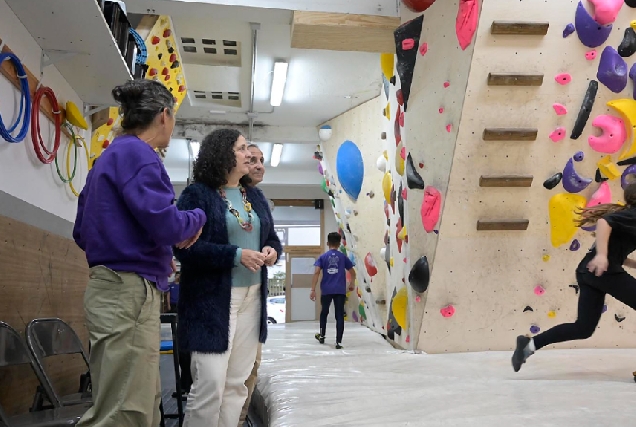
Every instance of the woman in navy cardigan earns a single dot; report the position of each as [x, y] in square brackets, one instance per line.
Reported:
[222, 305]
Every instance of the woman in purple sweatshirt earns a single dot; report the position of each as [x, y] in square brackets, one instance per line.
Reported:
[126, 223]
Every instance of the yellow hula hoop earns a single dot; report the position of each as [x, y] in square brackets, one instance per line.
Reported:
[68, 160]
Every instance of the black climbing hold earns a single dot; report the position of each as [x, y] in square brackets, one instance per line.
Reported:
[368, 289]
[317, 155]
[598, 176]
[586, 109]
[406, 58]
[630, 161]
[174, 65]
[348, 228]
[628, 46]
[413, 178]
[618, 318]
[576, 288]
[171, 50]
[553, 181]
[401, 204]
[420, 275]
[392, 326]
[330, 193]
[160, 56]
[528, 308]
[631, 3]
[392, 80]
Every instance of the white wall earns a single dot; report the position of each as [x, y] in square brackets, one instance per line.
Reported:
[21, 173]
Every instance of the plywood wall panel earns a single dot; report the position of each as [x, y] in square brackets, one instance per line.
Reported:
[43, 275]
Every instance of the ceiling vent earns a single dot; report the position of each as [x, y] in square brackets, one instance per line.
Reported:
[211, 51]
[226, 99]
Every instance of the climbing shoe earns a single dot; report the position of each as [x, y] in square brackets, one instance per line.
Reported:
[522, 352]
[320, 338]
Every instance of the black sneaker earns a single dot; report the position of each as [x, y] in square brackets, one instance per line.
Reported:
[320, 338]
[339, 346]
[522, 352]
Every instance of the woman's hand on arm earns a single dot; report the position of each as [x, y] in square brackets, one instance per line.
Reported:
[271, 256]
[252, 260]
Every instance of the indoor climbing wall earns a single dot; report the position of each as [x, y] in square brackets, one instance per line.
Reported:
[164, 65]
[353, 185]
[547, 120]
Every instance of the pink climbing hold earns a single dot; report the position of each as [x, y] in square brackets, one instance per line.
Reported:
[446, 84]
[539, 290]
[466, 22]
[558, 134]
[418, 298]
[401, 118]
[559, 109]
[563, 78]
[441, 110]
[404, 194]
[605, 11]
[423, 49]
[590, 55]
[449, 128]
[448, 311]
[431, 206]
[408, 44]
[408, 339]
[612, 137]
[403, 153]
[601, 196]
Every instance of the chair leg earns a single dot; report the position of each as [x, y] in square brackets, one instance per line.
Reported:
[163, 421]
[177, 373]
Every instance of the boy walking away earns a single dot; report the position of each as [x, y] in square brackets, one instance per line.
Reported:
[333, 286]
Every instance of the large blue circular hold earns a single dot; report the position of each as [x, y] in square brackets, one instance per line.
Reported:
[350, 168]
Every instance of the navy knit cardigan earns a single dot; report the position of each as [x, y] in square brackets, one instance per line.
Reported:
[206, 271]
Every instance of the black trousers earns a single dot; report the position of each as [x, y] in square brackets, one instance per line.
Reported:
[339, 304]
[592, 291]
[184, 364]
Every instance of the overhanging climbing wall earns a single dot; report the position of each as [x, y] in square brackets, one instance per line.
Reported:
[506, 249]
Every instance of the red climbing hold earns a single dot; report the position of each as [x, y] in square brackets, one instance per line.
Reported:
[182, 88]
[418, 5]
[167, 32]
[449, 128]
[408, 44]
[404, 194]
[399, 97]
[167, 77]
[466, 23]
[446, 84]
[165, 71]
[421, 165]
[152, 72]
[105, 144]
[110, 122]
[423, 49]
[173, 57]
[401, 119]
[441, 110]
[155, 40]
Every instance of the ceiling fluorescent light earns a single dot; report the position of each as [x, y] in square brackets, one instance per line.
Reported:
[195, 146]
[278, 83]
[277, 151]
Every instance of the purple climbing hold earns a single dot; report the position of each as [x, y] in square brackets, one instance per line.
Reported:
[628, 176]
[575, 245]
[604, 308]
[572, 181]
[569, 29]
[578, 156]
[436, 231]
[534, 329]
[354, 316]
[590, 32]
[612, 70]
[632, 75]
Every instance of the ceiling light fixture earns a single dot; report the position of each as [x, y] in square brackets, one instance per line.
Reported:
[195, 146]
[277, 152]
[218, 112]
[278, 83]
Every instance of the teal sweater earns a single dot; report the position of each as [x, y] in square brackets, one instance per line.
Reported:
[241, 276]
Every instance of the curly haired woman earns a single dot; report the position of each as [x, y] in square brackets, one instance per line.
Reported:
[222, 311]
[599, 273]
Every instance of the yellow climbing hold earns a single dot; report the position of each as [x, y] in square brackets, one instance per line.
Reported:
[386, 62]
[633, 24]
[74, 116]
[608, 168]
[546, 258]
[391, 261]
[385, 154]
[399, 307]
[387, 183]
[399, 161]
[627, 109]
[551, 314]
[387, 111]
[402, 234]
[563, 211]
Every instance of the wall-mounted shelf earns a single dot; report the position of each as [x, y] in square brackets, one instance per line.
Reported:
[519, 28]
[75, 35]
[514, 79]
[505, 181]
[503, 134]
[503, 225]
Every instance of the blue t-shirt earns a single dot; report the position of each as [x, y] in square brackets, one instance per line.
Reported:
[334, 265]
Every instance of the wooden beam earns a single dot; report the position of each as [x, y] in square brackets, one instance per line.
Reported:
[520, 28]
[343, 32]
[505, 181]
[8, 70]
[504, 134]
[502, 225]
[514, 79]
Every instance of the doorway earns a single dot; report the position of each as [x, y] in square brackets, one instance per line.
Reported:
[300, 271]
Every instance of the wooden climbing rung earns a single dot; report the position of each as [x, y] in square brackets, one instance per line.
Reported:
[502, 224]
[505, 180]
[514, 79]
[503, 134]
[520, 28]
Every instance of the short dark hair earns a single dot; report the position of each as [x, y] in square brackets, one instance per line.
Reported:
[140, 101]
[216, 159]
[334, 239]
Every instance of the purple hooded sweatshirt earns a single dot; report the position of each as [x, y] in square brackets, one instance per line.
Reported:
[126, 216]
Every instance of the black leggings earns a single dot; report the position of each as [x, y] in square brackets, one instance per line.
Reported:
[339, 303]
[592, 291]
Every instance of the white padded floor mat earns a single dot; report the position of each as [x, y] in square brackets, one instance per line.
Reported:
[369, 383]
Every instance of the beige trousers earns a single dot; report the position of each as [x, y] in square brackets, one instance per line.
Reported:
[218, 390]
[122, 316]
[251, 384]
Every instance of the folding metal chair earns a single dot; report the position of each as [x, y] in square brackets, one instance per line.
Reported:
[13, 352]
[52, 337]
[171, 318]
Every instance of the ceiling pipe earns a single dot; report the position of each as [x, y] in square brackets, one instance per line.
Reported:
[251, 115]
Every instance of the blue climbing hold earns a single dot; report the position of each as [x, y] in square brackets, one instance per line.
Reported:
[350, 168]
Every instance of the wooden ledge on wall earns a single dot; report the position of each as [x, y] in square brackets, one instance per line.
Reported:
[520, 28]
[512, 134]
[8, 70]
[514, 79]
[343, 32]
[502, 225]
[508, 181]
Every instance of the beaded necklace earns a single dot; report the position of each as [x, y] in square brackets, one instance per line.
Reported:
[245, 225]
